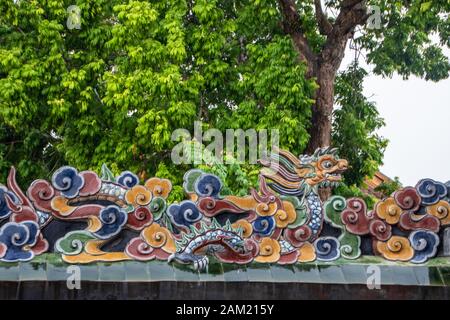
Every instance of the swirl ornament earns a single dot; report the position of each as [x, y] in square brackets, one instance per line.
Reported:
[112, 219]
[73, 243]
[425, 245]
[301, 211]
[127, 179]
[327, 248]
[41, 194]
[245, 226]
[5, 211]
[395, 249]
[139, 250]
[184, 214]
[139, 218]
[408, 199]
[159, 187]
[284, 217]
[264, 226]
[307, 253]
[138, 196]
[380, 230]
[208, 185]
[431, 191]
[298, 236]
[388, 210]
[355, 217]
[269, 251]
[159, 237]
[410, 221]
[441, 211]
[266, 209]
[157, 207]
[17, 240]
[68, 181]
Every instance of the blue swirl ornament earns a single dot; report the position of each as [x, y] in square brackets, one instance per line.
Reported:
[17, 238]
[68, 181]
[184, 214]
[327, 248]
[127, 179]
[5, 211]
[208, 185]
[425, 245]
[431, 191]
[264, 226]
[113, 219]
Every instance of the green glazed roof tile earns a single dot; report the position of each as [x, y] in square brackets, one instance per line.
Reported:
[160, 271]
[34, 270]
[355, 273]
[331, 274]
[136, 271]
[9, 271]
[234, 272]
[282, 273]
[307, 273]
[111, 271]
[259, 272]
[89, 272]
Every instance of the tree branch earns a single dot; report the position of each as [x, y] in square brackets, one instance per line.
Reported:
[292, 26]
[352, 14]
[325, 26]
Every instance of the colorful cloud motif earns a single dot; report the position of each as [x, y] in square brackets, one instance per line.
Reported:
[16, 240]
[425, 244]
[113, 219]
[127, 179]
[264, 226]
[208, 185]
[327, 249]
[431, 191]
[184, 214]
[5, 211]
[68, 181]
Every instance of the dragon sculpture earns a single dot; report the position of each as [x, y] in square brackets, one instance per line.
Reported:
[86, 217]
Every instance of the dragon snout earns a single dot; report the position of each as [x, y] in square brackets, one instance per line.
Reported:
[342, 165]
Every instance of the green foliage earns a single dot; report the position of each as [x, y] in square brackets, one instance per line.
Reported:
[388, 188]
[355, 124]
[114, 91]
[347, 192]
[410, 39]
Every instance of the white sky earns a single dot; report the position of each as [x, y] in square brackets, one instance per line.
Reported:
[417, 116]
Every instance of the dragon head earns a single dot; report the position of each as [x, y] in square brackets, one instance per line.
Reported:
[323, 168]
[290, 175]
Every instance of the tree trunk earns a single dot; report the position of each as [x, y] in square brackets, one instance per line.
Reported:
[320, 131]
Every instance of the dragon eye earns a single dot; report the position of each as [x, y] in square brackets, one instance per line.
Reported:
[327, 164]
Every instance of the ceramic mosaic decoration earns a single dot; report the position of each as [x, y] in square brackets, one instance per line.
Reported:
[86, 217]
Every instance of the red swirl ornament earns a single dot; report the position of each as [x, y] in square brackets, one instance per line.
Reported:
[298, 235]
[41, 194]
[380, 230]
[408, 199]
[355, 217]
[231, 256]
[211, 207]
[139, 218]
[410, 221]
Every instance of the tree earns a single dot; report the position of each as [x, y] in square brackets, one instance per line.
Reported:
[401, 43]
[115, 89]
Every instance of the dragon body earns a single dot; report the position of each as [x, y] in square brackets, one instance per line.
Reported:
[86, 217]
